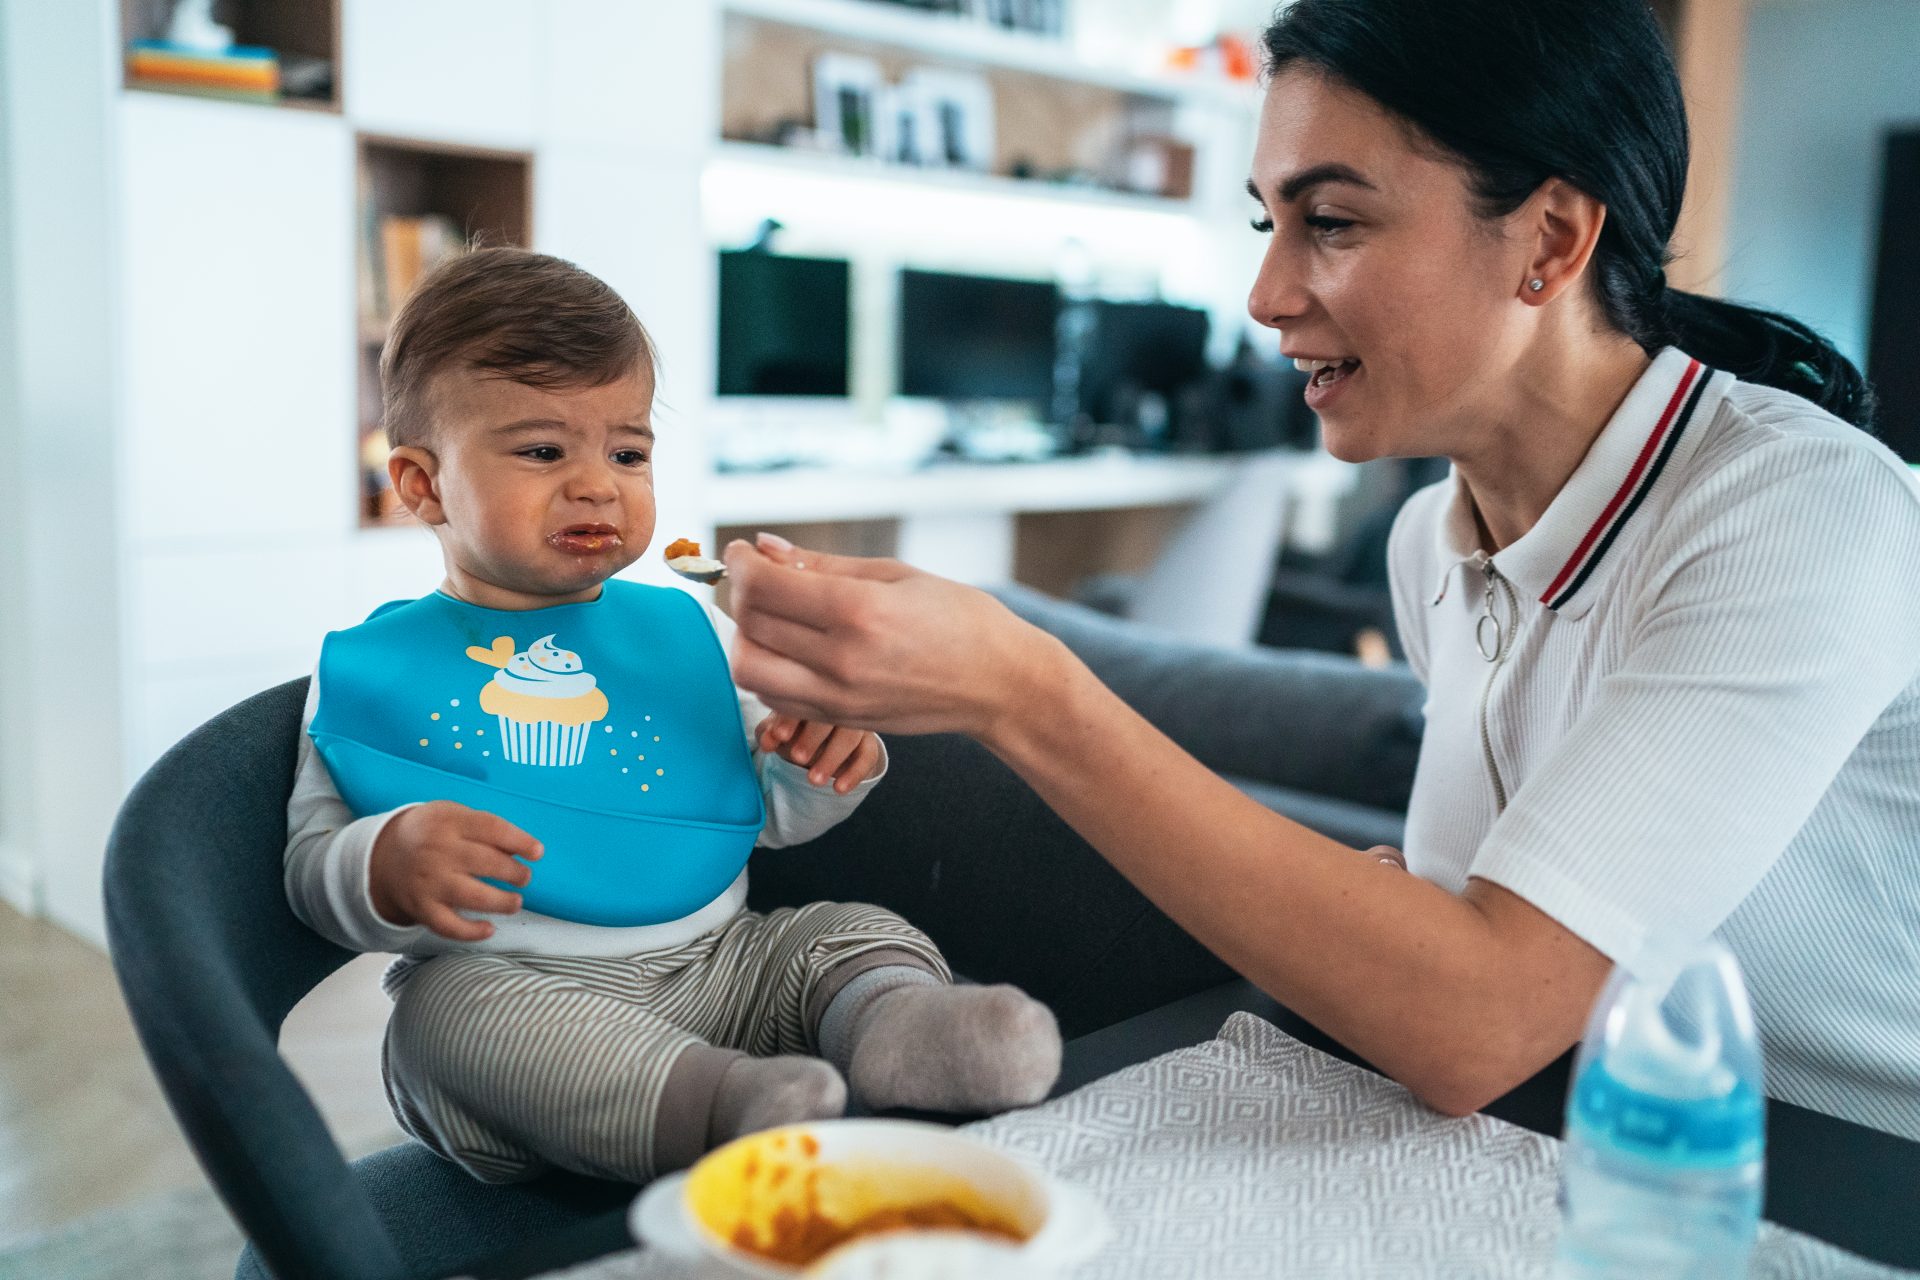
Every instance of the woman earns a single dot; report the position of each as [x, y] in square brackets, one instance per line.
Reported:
[1667, 608]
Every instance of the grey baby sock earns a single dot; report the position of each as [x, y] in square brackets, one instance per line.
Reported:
[760, 1093]
[905, 1038]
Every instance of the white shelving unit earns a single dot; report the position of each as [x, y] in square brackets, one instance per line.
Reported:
[934, 184]
[951, 38]
[221, 416]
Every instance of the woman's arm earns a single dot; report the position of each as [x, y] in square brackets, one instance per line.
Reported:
[1458, 997]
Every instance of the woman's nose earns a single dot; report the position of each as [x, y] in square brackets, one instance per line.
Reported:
[1279, 295]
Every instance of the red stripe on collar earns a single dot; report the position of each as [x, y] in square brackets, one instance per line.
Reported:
[1627, 486]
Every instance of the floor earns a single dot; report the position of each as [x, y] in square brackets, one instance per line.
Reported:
[83, 1126]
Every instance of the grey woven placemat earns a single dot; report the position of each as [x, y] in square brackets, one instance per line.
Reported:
[1255, 1155]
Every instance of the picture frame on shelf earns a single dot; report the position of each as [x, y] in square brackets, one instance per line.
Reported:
[953, 118]
[846, 92]
[897, 125]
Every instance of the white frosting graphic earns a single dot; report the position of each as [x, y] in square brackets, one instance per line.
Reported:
[545, 670]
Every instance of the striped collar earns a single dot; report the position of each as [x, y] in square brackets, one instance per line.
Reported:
[1562, 559]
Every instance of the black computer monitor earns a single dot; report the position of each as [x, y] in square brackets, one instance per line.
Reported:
[783, 325]
[977, 337]
[1133, 348]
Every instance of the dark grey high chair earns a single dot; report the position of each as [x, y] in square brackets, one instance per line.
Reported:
[211, 958]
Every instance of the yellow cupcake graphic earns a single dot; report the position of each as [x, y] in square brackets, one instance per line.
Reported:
[547, 704]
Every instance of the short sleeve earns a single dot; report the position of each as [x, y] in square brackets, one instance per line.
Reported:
[1776, 630]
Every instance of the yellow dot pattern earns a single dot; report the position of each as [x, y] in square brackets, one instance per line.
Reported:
[423, 742]
[434, 716]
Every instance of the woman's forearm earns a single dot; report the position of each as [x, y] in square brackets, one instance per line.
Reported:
[1457, 996]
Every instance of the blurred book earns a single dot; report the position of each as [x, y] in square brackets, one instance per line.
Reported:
[404, 251]
[243, 72]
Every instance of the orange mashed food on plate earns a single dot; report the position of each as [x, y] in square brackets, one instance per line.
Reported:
[802, 1239]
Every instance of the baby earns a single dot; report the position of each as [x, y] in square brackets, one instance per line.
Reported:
[633, 1013]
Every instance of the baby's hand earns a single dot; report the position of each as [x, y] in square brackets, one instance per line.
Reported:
[427, 863]
[829, 753]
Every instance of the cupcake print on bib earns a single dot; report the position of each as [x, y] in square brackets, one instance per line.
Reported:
[544, 699]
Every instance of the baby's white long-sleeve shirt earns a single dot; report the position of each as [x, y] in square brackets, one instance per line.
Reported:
[329, 853]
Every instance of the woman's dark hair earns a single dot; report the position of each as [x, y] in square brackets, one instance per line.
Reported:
[1520, 91]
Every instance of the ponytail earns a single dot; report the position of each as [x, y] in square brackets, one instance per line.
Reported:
[1771, 349]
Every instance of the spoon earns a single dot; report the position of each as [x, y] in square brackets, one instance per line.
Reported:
[684, 558]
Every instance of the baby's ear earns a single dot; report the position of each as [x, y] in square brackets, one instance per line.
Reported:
[414, 472]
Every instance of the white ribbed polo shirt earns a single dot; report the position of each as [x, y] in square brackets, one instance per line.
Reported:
[1688, 700]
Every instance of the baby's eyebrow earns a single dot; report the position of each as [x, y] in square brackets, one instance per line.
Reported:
[636, 428]
[529, 426]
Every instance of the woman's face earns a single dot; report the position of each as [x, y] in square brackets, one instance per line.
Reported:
[1378, 258]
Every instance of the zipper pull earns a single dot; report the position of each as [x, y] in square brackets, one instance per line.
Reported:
[1488, 635]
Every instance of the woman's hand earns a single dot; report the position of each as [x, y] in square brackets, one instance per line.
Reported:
[875, 644]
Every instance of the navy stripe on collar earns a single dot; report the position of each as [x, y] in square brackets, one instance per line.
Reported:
[1633, 490]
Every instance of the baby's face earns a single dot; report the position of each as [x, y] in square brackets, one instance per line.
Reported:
[544, 493]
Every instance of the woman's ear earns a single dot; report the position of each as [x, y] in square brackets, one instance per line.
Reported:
[1564, 224]
[415, 475]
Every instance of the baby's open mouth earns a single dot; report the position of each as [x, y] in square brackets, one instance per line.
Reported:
[585, 539]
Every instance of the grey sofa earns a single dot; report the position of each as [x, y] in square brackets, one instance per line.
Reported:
[961, 847]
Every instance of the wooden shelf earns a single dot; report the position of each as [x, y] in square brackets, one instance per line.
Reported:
[484, 195]
[952, 39]
[291, 28]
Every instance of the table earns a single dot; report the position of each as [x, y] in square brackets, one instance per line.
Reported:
[1840, 1182]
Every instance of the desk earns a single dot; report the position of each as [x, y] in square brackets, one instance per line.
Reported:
[1837, 1181]
[960, 519]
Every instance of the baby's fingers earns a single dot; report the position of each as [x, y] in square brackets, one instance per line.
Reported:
[866, 758]
[485, 860]
[806, 744]
[448, 923]
[478, 895]
[497, 833]
[839, 747]
[775, 731]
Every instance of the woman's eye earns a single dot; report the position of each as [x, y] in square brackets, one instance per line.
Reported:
[542, 453]
[630, 457]
[1263, 224]
[1324, 226]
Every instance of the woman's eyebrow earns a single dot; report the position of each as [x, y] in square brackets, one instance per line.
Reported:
[1296, 186]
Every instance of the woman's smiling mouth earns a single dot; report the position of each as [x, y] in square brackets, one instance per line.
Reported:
[585, 539]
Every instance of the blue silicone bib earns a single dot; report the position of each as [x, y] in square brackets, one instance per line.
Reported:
[609, 731]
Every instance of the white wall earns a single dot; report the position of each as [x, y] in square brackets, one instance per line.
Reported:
[1823, 82]
[62, 565]
[16, 867]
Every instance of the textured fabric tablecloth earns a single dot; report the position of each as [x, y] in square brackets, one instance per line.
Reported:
[1255, 1155]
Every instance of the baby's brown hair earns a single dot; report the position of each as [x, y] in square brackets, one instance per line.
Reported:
[529, 317]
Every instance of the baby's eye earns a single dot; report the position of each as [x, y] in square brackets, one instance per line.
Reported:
[630, 457]
[542, 453]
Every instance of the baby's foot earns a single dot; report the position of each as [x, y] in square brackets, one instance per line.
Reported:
[966, 1049]
[763, 1093]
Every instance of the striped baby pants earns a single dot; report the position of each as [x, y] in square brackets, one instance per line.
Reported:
[511, 1065]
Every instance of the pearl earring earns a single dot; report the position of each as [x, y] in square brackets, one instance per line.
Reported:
[1536, 284]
